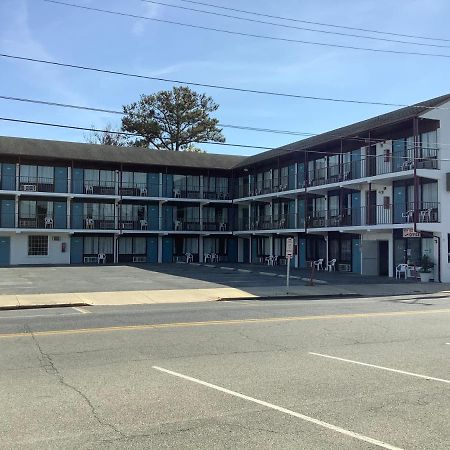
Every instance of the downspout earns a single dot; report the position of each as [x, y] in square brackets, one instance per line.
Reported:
[416, 178]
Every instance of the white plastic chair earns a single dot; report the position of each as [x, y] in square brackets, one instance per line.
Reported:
[331, 266]
[425, 215]
[401, 269]
[319, 264]
[207, 257]
[144, 224]
[143, 192]
[48, 222]
[101, 257]
[222, 226]
[189, 257]
[89, 223]
[178, 225]
[89, 189]
[408, 215]
[177, 193]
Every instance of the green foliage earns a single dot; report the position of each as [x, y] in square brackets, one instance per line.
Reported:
[172, 120]
[109, 136]
[426, 264]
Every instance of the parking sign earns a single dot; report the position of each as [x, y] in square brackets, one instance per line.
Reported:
[290, 247]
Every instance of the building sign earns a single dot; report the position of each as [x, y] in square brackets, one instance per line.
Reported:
[410, 233]
[289, 247]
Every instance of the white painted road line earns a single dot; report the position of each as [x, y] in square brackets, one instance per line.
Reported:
[244, 271]
[81, 310]
[227, 268]
[271, 274]
[283, 410]
[425, 377]
[51, 316]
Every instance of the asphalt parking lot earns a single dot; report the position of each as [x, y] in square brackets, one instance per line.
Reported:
[323, 374]
[59, 279]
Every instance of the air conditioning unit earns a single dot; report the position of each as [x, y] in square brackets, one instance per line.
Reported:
[139, 259]
[29, 187]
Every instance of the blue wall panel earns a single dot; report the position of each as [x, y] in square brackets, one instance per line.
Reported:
[77, 215]
[167, 185]
[7, 211]
[153, 217]
[152, 249]
[9, 177]
[60, 179]
[399, 203]
[232, 250]
[356, 256]
[153, 184]
[76, 250]
[167, 250]
[5, 250]
[77, 181]
[302, 253]
[60, 211]
[291, 177]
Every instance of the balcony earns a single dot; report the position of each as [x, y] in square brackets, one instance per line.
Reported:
[268, 186]
[36, 184]
[219, 225]
[373, 166]
[95, 187]
[93, 223]
[220, 194]
[183, 191]
[134, 224]
[138, 189]
[427, 212]
[261, 223]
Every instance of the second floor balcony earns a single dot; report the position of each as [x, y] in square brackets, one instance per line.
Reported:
[423, 212]
[274, 222]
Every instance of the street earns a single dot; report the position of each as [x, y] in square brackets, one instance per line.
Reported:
[334, 373]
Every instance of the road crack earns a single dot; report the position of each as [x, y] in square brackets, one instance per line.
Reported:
[48, 365]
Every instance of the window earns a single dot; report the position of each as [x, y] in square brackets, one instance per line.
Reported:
[37, 245]
[139, 246]
[94, 245]
[125, 245]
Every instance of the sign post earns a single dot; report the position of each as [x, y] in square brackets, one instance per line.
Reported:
[289, 255]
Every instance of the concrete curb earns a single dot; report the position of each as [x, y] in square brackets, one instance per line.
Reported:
[291, 297]
[42, 306]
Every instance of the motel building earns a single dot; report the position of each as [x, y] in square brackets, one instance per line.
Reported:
[368, 196]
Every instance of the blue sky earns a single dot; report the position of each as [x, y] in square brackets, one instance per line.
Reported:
[37, 29]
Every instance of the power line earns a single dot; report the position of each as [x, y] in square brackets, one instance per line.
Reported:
[286, 150]
[212, 86]
[110, 111]
[120, 133]
[294, 27]
[238, 33]
[290, 19]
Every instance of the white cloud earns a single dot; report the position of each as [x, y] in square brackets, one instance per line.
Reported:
[140, 25]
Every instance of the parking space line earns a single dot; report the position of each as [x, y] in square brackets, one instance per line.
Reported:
[271, 274]
[81, 310]
[389, 369]
[282, 410]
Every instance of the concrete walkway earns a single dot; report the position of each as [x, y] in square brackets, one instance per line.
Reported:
[215, 294]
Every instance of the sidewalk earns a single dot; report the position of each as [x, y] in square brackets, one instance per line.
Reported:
[215, 294]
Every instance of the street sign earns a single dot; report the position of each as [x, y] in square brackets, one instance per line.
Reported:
[289, 255]
[289, 247]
